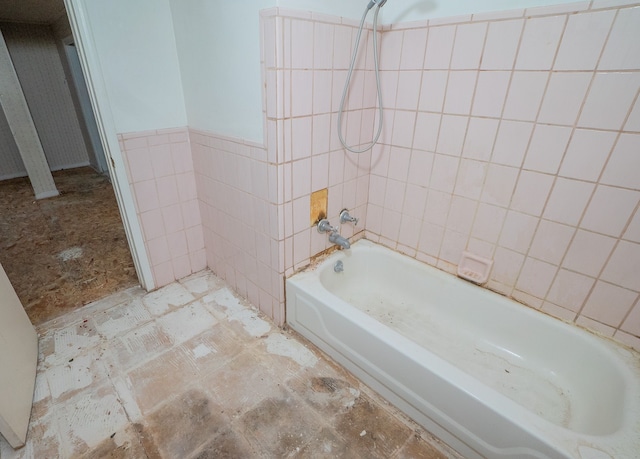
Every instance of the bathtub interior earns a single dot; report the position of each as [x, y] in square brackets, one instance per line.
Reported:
[548, 367]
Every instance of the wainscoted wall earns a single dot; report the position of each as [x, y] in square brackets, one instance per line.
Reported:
[497, 141]
[160, 171]
[38, 64]
[513, 135]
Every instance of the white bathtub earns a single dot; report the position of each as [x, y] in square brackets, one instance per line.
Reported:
[490, 377]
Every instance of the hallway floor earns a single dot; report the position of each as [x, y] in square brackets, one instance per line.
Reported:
[64, 252]
[191, 371]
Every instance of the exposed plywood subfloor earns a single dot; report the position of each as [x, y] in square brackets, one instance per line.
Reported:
[191, 371]
[67, 251]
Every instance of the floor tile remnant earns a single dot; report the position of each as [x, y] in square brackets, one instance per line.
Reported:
[192, 371]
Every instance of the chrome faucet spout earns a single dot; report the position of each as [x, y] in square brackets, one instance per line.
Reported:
[339, 240]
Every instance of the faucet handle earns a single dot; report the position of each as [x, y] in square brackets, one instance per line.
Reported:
[324, 226]
[345, 217]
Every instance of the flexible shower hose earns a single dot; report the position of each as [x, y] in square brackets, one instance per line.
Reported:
[349, 74]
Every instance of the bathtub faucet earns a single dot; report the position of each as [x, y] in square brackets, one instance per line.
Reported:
[345, 217]
[334, 237]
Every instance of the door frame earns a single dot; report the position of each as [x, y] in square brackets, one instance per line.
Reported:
[87, 52]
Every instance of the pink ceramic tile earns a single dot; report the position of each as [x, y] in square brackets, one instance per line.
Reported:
[301, 246]
[301, 137]
[390, 228]
[301, 213]
[460, 91]
[623, 266]
[399, 164]
[426, 131]
[322, 81]
[633, 230]
[490, 94]
[501, 45]
[321, 134]
[437, 209]
[420, 168]
[632, 322]
[390, 50]
[323, 45]
[587, 153]
[443, 174]
[182, 157]
[301, 178]
[588, 253]
[518, 231]
[536, 277]
[568, 201]
[470, 178]
[506, 266]
[135, 143]
[301, 44]
[198, 260]
[539, 44]
[431, 239]
[594, 325]
[415, 201]
[609, 100]
[163, 274]
[452, 133]
[481, 135]
[158, 251]
[623, 49]
[191, 213]
[403, 128]
[461, 215]
[488, 222]
[195, 239]
[186, 185]
[609, 304]
[499, 184]
[564, 97]
[172, 217]
[532, 190]
[161, 160]
[569, 290]
[621, 170]
[177, 243]
[453, 243]
[146, 195]
[152, 224]
[550, 242]
[434, 85]
[389, 88]
[319, 172]
[467, 49]
[408, 88]
[181, 266]
[525, 95]
[413, 49]
[609, 210]
[558, 312]
[633, 122]
[512, 142]
[410, 231]
[394, 195]
[547, 147]
[583, 40]
[167, 191]
[341, 52]
[439, 47]
[301, 92]
[140, 167]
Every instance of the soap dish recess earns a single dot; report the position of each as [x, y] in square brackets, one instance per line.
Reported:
[474, 268]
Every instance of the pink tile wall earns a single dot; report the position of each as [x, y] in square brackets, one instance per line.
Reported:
[495, 141]
[305, 62]
[236, 188]
[161, 176]
[516, 136]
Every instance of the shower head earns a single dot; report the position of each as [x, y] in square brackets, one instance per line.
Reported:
[373, 3]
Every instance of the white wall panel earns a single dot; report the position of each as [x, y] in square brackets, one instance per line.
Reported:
[37, 62]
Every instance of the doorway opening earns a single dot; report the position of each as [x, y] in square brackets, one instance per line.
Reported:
[62, 252]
